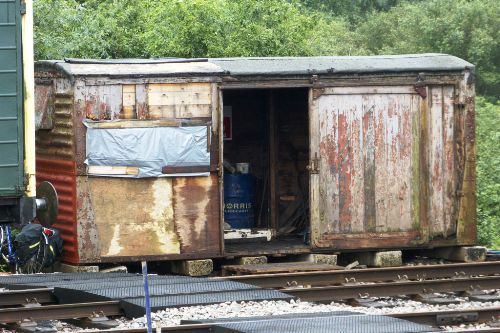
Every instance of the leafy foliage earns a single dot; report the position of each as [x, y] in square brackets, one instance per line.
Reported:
[467, 29]
[175, 28]
[487, 169]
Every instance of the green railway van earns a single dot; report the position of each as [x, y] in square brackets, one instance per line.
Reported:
[12, 183]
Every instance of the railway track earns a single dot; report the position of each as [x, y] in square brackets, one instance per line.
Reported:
[325, 278]
[112, 308]
[380, 282]
[40, 303]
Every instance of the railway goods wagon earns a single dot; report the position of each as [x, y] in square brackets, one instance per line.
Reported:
[335, 154]
[17, 142]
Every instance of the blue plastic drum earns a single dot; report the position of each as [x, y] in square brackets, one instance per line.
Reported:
[238, 200]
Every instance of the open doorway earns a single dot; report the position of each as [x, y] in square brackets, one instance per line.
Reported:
[268, 131]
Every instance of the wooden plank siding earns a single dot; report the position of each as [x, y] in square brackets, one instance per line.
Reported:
[367, 139]
[177, 100]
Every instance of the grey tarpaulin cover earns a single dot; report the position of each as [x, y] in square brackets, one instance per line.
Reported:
[148, 148]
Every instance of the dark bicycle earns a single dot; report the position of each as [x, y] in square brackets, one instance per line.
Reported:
[28, 253]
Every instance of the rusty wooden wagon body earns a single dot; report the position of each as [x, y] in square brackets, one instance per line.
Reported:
[347, 153]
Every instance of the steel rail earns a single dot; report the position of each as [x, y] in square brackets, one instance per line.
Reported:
[451, 317]
[27, 296]
[478, 330]
[323, 278]
[60, 311]
[333, 293]
[482, 315]
[191, 328]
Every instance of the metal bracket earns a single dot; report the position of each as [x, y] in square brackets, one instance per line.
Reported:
[317, 92]
[420, 86]
[22, 7]
[457, 318]
[313, 166]
[421, 89]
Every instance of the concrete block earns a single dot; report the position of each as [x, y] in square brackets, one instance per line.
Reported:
[67, 268]
[380, 259]
[117, 269]
[329, 259]
[462, 253]
[251, 260]
[200, 267]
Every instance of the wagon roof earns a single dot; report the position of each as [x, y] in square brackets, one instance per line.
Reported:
[346, 64]
[131, 67]
[258, 66]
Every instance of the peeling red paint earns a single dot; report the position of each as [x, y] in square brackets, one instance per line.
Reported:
[344, 173]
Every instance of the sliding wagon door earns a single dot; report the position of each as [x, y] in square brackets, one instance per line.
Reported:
[365, 167]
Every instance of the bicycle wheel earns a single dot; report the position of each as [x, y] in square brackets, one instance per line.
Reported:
[4, 251]
[36, 262]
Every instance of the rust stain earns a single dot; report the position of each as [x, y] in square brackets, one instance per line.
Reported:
[368, 153]
[133, 217]
[196, 212]
[344, 163]
[369, 170]
[421, 90]
[88, 237]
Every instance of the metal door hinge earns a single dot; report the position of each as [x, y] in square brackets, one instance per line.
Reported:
[420, 86]
[313, 166]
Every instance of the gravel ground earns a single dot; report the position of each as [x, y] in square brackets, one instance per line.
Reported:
[171, 317]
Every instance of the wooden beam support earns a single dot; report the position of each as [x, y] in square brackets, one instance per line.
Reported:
[273, 156]
[185, 169]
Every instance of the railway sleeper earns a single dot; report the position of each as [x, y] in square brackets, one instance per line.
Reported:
[433, 299]
[97, 320]
[367, 302]
[481, 295]
[30, 326]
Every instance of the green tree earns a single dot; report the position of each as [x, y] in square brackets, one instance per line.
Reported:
[353, 10]
[488, 171]
[176, 28]
[466, 29]
[88, 29]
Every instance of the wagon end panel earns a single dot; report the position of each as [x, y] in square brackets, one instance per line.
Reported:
[55, 153]
[365, 170]
[161, 199]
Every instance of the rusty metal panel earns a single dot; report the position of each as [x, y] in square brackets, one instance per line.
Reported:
[58, 142]
[54, 117]
[125, 217]
[62, 174]
[366, 176]
[44, 104]
[196, 207]
[103, 102]
[153, 217]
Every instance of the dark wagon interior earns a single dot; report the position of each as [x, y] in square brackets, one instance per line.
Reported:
[269, 130]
